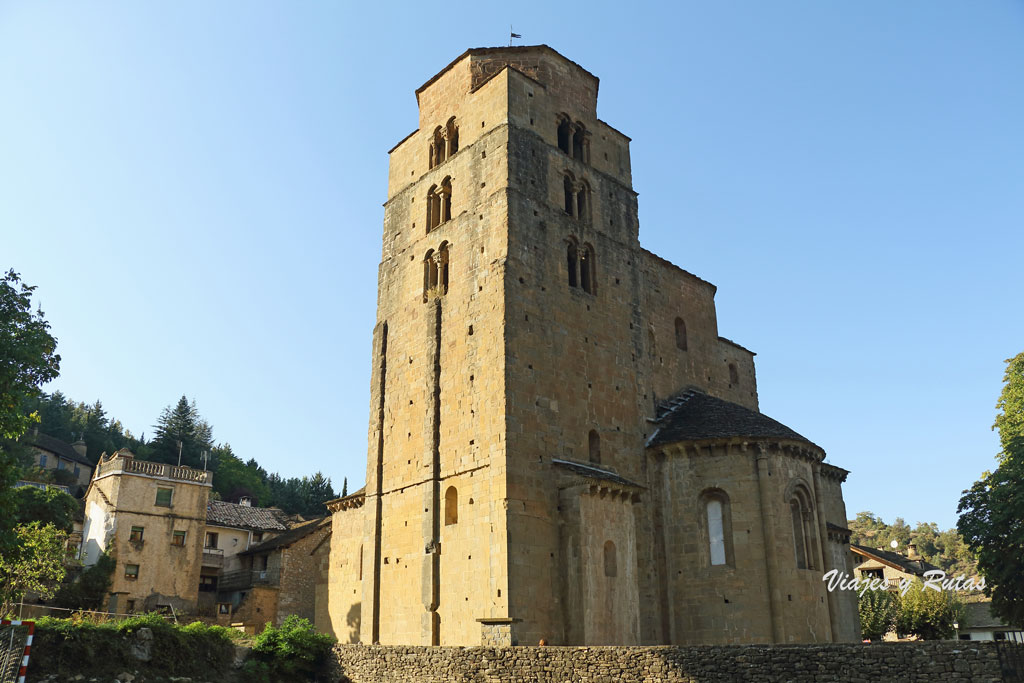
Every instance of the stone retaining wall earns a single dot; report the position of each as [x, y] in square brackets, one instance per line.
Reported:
[850, 663]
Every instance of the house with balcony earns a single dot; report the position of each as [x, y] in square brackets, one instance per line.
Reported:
[232, 528]
[889, 566]
[277, 578]
[151, 517]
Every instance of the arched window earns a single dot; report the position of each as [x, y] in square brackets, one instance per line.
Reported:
[580, 145]
[588, 270]
[582, 197]
[429, 273]
[442, 268]
[433, 208]
[804, 539]
[446, 200]
[611, 563]
[451, 134]
[594, 447]
[717, 528]
[564, 134]
[451, 506]
[734, 375]
[680, 334]
[573, 259]
[569, 192]
[437, 147]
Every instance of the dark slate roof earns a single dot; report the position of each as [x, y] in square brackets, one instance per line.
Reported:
[221, 513]
[56, 446]
[593, 472]
[296, 533]
[895, 560]
[692, 415]
[979, 615]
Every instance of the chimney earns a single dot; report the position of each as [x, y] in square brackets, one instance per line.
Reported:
[912, 551]
[245, 501]
[79, 447]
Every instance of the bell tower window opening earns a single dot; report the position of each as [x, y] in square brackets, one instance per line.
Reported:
[569, 190]
[611, 568]
[439, 204]
[580, 144]
[680, 334]
[588, 270]
[573, 258]
[446, 200]
[565, 134]
[451, 506]
[594, 447]
[451, 136]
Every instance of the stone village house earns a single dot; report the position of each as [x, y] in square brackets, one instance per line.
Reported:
[561, 445]
[180, 551]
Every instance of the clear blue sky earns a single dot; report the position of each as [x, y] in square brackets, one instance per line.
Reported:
[196, 190]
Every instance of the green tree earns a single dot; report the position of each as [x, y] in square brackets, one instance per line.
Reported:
[90, 588]
[36, 564]
[51, 506]
[1010, 421]
[928, 614]
[28, 356]
[878, 610]
[182, 426]
[233, 478]
[992, 509]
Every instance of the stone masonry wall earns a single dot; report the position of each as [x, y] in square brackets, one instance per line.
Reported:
[852, 663]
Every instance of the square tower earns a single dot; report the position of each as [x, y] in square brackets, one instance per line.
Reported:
[526, 354]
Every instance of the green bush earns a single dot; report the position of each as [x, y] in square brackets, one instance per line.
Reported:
[69, 646]
[294, 651]
[90, 589]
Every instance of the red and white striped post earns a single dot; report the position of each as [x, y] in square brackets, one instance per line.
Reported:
[31, 625]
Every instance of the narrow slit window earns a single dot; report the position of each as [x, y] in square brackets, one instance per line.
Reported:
[594, 447]
[680, 334]
[451, 506]
[611, 562]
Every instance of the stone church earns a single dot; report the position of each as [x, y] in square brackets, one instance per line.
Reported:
[561, 445]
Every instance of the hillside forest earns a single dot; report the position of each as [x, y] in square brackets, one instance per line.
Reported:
[180, 427]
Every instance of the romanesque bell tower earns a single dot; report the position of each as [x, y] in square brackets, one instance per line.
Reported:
[547, 399]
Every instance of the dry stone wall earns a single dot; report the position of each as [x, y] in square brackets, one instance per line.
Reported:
[851, 663]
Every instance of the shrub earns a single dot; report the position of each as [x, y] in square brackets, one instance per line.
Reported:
[294, 651]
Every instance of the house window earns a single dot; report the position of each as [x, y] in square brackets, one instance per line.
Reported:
[131, 571]
[223, 608]
[257, 537]
[211, 540]
[451, 506]
[42, 459]
[207, 584]
[129, 606]
[178, 538]
[60, 464]
[163, 497]
[78, 471]
[136, 534]
[610, 560]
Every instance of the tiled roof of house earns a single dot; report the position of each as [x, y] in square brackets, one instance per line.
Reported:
[296, 533]
[979, 615]
[56, 446]
[894, 560]
[692, 415]
[221, 513]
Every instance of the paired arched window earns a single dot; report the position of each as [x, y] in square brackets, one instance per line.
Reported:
[575, 197]
[573, 138]
[611, 562]
[594, 447]
[439, 204]
[680, 334]
[581, 266]
[451, 506]
[435, 271]
[717, 527]
[805, 546]
[444, 143]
